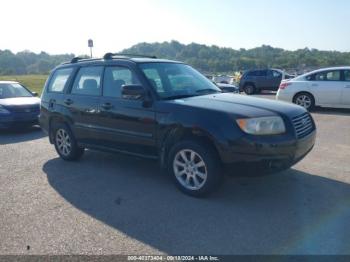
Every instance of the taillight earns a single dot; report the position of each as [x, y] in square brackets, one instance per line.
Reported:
[284, 85]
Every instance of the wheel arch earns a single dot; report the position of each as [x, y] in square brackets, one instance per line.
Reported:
[57, 118]
[178, 134]
[249, 83]
[304, 92]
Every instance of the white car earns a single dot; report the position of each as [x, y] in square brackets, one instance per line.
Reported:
[328, 87]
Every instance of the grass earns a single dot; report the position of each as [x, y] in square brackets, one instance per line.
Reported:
[34, 82]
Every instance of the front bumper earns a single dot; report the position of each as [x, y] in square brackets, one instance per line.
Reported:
[281, 154]
[12, 120]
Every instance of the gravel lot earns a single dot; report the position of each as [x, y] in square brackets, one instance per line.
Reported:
[114, 204]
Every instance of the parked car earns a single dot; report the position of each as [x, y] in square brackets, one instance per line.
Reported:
[228, 88]
[223, 79]
[329, 87]
[253, 81]
[166, 110]
[18, 105]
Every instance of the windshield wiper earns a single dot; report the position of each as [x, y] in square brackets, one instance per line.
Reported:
[207, 91]
[178, 97]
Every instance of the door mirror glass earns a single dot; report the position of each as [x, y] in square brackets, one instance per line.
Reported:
[133, 92]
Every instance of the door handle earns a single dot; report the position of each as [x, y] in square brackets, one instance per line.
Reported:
[107, 106]
[51, 103]
[348, 86]
[314, 85]
[68, 101]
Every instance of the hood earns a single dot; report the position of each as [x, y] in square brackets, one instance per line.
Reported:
[242, 105]
[20, 101]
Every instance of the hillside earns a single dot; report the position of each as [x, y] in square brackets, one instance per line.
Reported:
[27, 62]
[208, 59]
[214, 59]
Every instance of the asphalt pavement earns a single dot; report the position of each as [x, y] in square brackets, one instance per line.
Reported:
[115, 204]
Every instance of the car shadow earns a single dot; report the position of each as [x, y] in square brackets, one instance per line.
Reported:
[290, 213]
[331, 111]
[18, 135]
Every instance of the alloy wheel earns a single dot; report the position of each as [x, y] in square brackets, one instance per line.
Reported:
[304, 101]
[190, 169]
[63, 142]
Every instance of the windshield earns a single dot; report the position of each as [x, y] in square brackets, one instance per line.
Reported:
[13, 90]
[172, 81]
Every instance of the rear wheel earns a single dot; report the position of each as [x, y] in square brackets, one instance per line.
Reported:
[195, 168]
[249, 89]
[65, 143]
[305, 100]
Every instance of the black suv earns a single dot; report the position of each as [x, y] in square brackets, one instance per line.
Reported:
[166, 110]
[253, 81]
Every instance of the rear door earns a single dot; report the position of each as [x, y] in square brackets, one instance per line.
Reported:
[82, 103]
[53, 95]
[126, 124]
[273, 79]
[345, 93]
[261, 79]
[326, 86]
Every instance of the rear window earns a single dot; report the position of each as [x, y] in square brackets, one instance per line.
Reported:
[59, 80]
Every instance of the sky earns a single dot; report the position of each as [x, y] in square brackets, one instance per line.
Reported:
[64, 26]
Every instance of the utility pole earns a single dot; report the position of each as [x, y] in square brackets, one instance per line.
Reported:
[91, 45]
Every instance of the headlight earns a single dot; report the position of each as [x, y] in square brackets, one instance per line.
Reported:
[271, 125]
[4, 111]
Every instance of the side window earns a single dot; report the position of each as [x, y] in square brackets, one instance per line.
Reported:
[59, 80]
[114, 78]
[346, 75]
[261, 73]
[153, 76]
[328, 76]
[88, 81]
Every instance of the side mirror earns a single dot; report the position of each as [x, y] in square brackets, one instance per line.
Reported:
[133, 92]
[34, 93]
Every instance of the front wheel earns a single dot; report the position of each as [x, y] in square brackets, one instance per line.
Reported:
[195, 168]
[66, 144]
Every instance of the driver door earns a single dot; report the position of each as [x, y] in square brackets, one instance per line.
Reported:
[126, 124]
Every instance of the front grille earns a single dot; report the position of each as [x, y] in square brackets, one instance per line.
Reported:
[303, 125]
[25, 109]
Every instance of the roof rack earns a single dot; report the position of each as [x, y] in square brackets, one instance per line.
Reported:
[78, 59]
[111, 55]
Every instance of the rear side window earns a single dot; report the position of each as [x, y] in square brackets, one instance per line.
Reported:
[114, 78]
[88, 81]
[328, 76]
[258, 73]
[59, 80]
[252, 73]
[310, 77]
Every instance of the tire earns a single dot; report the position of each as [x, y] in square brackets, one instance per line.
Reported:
[305, 100]
[249, 89]
[185, 156]
[65, 143]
